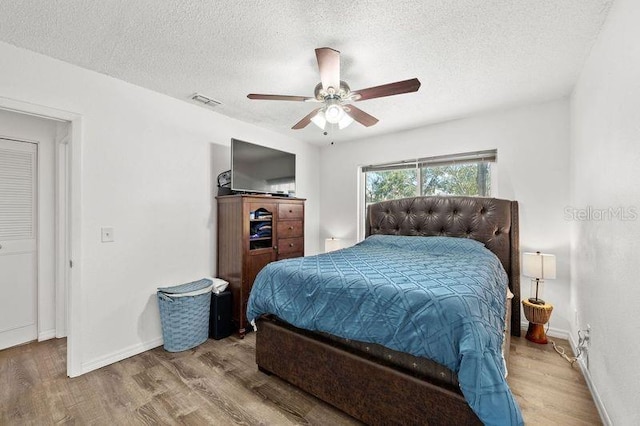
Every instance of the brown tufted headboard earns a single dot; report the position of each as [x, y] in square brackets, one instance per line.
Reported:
[491, 221]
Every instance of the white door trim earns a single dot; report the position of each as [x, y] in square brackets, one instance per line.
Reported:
[62, 230]
[74, 221]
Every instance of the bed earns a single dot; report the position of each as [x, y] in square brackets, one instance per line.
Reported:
[398, 378]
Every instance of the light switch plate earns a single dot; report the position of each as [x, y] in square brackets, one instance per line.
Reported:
[107, 235]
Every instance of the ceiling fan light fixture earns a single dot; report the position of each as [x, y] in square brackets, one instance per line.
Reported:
[345, 121]
[319, 119]
[334, 113]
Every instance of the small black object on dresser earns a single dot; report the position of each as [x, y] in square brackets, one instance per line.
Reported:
[220, 316]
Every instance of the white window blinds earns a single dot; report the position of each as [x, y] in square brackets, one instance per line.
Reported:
[17, 190]
[465, 158]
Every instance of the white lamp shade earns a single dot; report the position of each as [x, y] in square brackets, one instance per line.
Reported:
[332, 244]
[345, 121]
[538, 265]
[333, 113]
[319, 119]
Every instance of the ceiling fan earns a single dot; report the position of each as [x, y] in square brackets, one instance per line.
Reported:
[336, 95]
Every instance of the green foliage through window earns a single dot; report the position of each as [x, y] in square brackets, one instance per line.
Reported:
[457, 179]
[390, 185]
[472, 179]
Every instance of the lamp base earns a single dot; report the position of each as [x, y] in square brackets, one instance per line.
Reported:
[536, 334]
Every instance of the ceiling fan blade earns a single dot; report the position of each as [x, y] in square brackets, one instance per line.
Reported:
[280, 98]
[360, 116]
[306, 120]
[397, 88]
[329, 66]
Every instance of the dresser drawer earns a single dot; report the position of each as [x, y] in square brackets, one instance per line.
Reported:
[290, 211]
[290, 245]
[290, 228]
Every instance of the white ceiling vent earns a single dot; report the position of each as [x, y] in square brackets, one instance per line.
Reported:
[210, 102]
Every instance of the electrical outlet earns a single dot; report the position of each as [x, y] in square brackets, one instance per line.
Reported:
[584, 338]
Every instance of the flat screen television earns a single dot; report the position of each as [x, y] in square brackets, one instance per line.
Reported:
[256, 168]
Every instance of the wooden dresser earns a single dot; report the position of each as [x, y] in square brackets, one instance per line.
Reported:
[254, 230]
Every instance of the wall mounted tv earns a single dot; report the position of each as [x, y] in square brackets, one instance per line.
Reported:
[256, 168]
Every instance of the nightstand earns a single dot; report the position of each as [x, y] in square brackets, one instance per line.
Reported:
[538, 316]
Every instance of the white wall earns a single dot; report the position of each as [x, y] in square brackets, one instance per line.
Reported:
[34, 129]
[146, 171]
[605, 174]
[533, 168]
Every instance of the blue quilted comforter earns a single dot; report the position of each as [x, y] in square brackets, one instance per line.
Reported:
[435, 297]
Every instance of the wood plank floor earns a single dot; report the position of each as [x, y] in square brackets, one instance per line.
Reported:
[218, 384]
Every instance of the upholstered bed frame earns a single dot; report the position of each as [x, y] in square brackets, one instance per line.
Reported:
[372, 390]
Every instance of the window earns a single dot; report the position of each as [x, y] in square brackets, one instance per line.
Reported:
[468, 174]
[457, 179]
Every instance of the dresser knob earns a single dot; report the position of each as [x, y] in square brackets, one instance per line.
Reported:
[290, 244]
[290, 229]
[290, 211]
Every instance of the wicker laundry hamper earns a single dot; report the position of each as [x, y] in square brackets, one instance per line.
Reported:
[184, 314]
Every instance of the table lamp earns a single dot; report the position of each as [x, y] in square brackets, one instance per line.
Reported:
[538, 267]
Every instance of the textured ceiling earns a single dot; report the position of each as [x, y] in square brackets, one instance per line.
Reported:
[470, 55]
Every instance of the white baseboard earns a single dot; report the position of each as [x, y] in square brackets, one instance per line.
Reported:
[46, 335]
[60, 332]
[604, 416]
[558, 333]
[553, 332]
[125, 353]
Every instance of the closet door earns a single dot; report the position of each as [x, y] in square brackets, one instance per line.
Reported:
[18, 243]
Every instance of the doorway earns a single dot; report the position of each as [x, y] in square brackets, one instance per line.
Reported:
[32, 192]
[46, 256]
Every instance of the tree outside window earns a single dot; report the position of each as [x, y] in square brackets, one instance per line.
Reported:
[457, 179]
[390, 185]
[467, 178]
